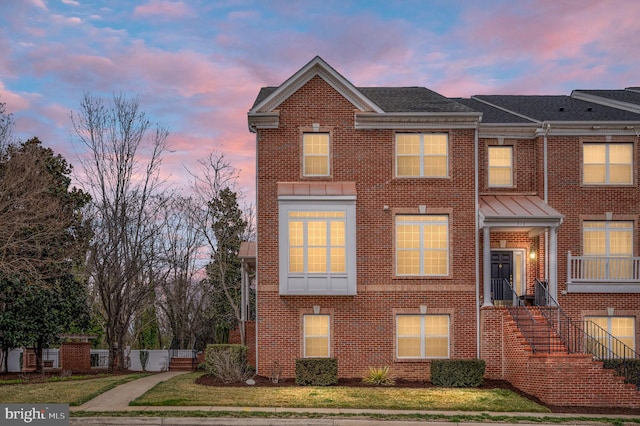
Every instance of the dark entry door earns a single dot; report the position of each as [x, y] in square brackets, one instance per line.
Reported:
[501, 273]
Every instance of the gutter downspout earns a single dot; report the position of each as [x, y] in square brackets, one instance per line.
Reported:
[546, 199]
[253, 129]
[477, 232]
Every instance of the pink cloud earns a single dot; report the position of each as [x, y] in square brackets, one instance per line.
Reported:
[164, 8]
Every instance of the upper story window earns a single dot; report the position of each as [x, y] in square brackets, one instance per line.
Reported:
[610, 243]
[500, 166]
[608, 238]
[316, 336]
[315, 154]
[422, 336]
[608, 163]
[317, 247]
[422, 245]
[422, 155]
[317, 242]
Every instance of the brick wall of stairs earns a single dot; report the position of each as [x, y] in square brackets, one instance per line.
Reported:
[549, 373]
[181, 364]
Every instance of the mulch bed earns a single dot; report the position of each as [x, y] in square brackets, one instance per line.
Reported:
[262, 381]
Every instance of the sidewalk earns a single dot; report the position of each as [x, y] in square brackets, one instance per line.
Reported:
[118, 399]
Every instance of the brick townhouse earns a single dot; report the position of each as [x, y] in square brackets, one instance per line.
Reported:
[396, 226]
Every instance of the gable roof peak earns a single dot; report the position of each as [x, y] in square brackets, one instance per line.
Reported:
[316, 67]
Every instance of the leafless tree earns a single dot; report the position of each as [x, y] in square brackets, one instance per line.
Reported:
[182, 289]
[121, 172]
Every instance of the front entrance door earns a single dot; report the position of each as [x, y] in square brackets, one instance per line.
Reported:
[501, 273]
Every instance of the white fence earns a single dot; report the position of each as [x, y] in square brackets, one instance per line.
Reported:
[158, 359]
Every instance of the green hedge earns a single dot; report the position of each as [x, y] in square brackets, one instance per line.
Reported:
[317, 371]
[457, 373]
[629, 369]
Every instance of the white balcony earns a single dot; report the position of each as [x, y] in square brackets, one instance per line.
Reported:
[593, 274]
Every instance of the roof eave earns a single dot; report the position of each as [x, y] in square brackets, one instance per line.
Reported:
[417, 120]
[556, 128]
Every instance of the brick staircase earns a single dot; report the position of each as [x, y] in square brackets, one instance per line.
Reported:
[536, 331]
[541, 365]
[182, 364]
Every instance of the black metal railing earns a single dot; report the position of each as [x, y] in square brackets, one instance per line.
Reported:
[51, 358]
[183, 348]
[502, 291]
[99, 359]
[537, 335]
[587, 337]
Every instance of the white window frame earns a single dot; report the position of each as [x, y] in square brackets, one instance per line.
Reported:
[422, 249]
[609, 329]
[490, 167]
[607, 230]
[607, 163]
[424, 336]
[422, 155]
[305, 335]
[306, 283]
[306, 155]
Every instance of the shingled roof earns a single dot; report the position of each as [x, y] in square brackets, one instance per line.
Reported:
[557, 108]
[398, 99]
[491, 114]
[411, 99]
[586, 106]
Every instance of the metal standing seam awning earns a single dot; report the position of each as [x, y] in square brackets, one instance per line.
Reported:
[517, 211]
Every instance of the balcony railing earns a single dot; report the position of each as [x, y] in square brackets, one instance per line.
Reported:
[602, 270]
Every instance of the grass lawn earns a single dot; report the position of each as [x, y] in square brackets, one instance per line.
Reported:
[183, 391]
[62, 391]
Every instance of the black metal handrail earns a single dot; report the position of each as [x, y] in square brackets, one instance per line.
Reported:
[183, 348]
[536, 336]
[501, 289]
[588, 337]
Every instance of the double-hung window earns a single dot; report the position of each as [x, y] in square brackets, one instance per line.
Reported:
[316, 336]
[616, 334]
[422, 155]
[315, 154]
[610, 243]
[317, 245]
[607, 163]
[500, 166]
[422, 336]
[422, 245]
[317, 242]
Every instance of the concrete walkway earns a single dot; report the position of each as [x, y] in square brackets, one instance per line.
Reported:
[118, 399]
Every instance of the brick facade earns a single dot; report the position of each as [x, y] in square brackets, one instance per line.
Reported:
[546, 166]
[250, 340]
[557, 379]
[364, 321]
[75, 356]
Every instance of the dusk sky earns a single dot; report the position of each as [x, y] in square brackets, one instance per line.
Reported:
[197, 65]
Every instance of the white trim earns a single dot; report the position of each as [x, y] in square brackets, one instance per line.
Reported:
[304, 334]
[423, 336]
[316, 67]
[304, 283]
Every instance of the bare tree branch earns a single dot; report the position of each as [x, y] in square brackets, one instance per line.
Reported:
[122, 174]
